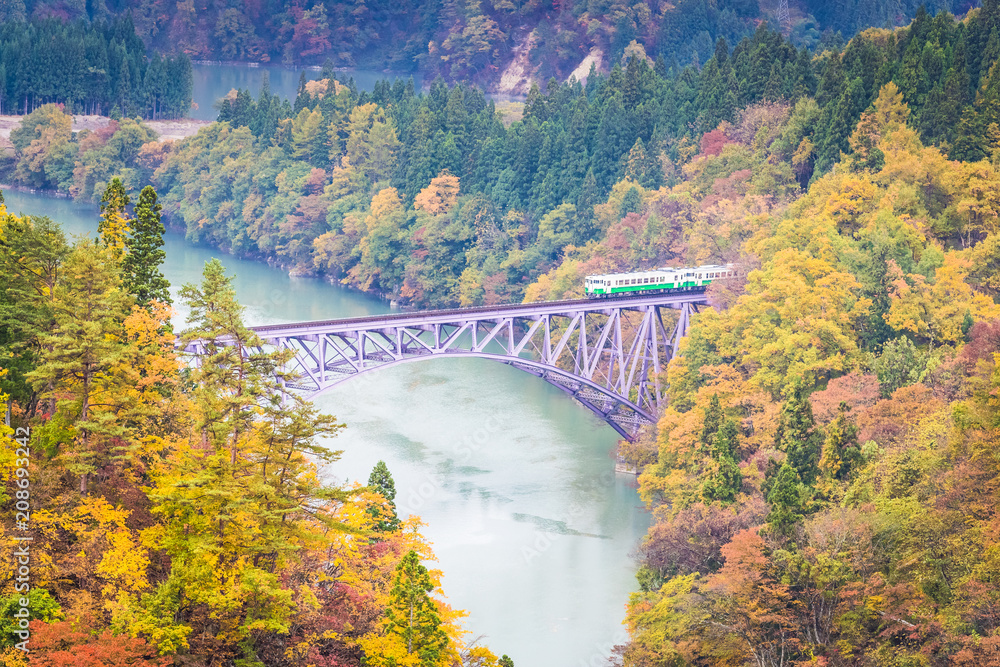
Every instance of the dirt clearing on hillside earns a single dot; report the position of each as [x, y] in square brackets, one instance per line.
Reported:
[167, 129]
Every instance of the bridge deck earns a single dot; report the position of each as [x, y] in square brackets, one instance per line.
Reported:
[568, 307]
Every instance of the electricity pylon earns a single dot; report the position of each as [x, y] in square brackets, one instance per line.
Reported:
[783, 18]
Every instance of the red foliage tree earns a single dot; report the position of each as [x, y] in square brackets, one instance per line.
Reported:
[713, 142]
[855, 389]
[692, 541]
[74, 644]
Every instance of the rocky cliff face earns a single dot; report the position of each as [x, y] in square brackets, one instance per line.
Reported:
[520, 72]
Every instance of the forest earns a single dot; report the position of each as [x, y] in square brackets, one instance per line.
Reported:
[470, 40]
[437, 199]
[92, 68]
[180, 515]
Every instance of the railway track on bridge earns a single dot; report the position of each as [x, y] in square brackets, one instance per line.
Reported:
[548, 307]
[609, 354]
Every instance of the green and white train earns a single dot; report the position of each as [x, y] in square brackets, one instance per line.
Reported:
[657, 280]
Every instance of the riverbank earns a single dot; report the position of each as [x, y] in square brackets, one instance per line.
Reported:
[168, 130]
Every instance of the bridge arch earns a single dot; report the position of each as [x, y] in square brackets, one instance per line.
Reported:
[607, 354]
[623, 415]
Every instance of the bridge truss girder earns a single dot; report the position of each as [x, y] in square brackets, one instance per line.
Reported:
[607, 356]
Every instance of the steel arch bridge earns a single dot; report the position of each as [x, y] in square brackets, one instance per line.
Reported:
[607, 354]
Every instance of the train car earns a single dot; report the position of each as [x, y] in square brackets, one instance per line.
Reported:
[656, 280]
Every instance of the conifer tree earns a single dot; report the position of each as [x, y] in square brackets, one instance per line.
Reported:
[89, 307]
[233, 375]
[232, 519]
[380, 481]
[114, 224]
[412, 614]
[786, 505]
[726, 441]
[841, 452]
[724, 483]
[726, 480]
[141, 266]
[797, 436]
[303, 100]
[32, 251]
[713, 420]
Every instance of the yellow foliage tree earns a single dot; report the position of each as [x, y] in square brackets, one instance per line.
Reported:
[794, 324]
[440, 196]
[113, 226]
[935, 311]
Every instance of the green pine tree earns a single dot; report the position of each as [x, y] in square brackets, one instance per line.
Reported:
[841, 452]
[381, 482]
[724, 483]
[797, 436]
[786, 504]
[141, 266]
[727, 440]
[712, 422]
[412, 614]
[89, 307]
[234, 378]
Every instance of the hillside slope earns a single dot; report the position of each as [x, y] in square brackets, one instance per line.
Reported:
[471, 40]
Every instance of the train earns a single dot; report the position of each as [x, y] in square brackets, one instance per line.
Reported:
[656, 280]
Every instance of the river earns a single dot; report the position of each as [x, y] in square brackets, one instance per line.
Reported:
[515, 481]
[212, 82]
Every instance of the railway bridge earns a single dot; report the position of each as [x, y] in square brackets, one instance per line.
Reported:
[607, 354]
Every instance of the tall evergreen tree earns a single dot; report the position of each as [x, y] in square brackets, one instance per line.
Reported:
[412, 614]
[840, 451]
[89, 308]
[711, 423]
[141, 266]
[786, 505]
[233, 375]
[32, 251]
[797, 436]
[380, 481]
